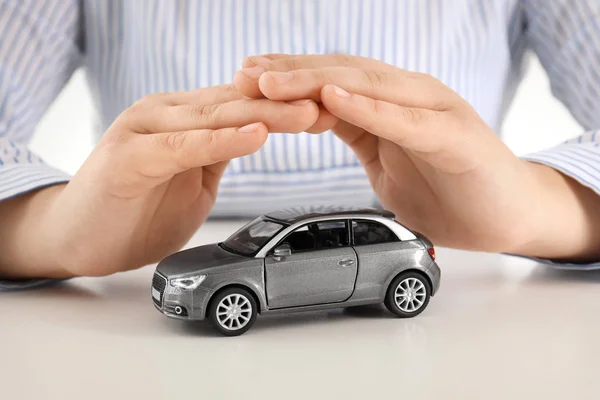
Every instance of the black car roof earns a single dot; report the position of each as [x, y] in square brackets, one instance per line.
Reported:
[297, 214]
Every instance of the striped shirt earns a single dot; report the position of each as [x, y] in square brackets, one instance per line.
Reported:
[136, 47]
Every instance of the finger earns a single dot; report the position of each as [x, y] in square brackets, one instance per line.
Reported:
[278, 116]
[166, 154]
[253, 68]
[364, 145]
[283, 63]
[410, 91]
[412, 128]
[212, 176]
[251, 61]
[325, 122]
[211, 95]
[246, 80]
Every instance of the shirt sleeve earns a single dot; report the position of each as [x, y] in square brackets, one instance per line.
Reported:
[565, 35]
[40, 47]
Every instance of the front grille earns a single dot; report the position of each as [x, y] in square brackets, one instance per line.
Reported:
[159, 283]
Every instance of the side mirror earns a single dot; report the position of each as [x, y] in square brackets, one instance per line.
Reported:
[283, 250]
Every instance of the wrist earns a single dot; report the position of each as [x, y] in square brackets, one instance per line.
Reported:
[566, 215]
[26, 238]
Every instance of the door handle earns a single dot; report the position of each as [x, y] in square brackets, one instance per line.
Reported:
[346, 262]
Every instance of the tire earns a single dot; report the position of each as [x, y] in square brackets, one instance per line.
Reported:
[408, 295]
[233, 311]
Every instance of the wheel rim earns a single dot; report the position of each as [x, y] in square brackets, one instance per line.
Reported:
[410, 295]
[234, 312]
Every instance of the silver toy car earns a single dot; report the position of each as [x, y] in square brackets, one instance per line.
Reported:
[298, 260]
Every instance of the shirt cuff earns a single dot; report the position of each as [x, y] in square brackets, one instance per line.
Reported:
[578, 158]
[17, 179]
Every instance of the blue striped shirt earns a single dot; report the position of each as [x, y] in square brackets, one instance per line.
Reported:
[136, 47]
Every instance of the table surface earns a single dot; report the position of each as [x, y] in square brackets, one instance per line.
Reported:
[500, 327]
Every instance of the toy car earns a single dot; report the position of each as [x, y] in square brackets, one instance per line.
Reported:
[298, 260]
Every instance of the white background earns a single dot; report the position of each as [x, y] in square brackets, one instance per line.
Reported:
[64, 136]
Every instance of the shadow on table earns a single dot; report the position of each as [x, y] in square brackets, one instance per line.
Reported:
[100, 305]
[63, 290]
[123, 307]
[544, 273]
[111, 291]
[284, 321]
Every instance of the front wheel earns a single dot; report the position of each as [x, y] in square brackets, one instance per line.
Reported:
[233, 311]
[408, 294]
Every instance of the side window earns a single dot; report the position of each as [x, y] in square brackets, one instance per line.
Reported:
[318, 235]
[301, 240]
[331, 234]
[371, 232]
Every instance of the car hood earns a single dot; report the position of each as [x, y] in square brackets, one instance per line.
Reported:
[197, 259]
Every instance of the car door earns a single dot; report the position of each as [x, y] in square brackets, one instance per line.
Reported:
[381, 255]
[321, 269]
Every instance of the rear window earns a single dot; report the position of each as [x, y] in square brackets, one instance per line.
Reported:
[370, 232]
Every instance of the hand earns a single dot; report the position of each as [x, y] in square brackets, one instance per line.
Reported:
[148, 184]
[429, 156]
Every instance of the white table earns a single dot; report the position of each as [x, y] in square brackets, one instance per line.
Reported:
[500, 327]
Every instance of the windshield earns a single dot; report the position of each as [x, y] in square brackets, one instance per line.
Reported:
[251, 237]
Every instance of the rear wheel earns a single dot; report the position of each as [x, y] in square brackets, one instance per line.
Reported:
[233, 311]
[408, 294]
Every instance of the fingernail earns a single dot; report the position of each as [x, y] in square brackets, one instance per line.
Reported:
[281, 77]
[300, 102]
[254, 72]
[340, 92]
[249, 128]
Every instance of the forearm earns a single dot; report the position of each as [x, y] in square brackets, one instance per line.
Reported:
[567, 216]
[569, 50]
[26, 239]
[31, 81]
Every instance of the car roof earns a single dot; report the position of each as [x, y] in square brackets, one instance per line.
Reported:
[298, 214]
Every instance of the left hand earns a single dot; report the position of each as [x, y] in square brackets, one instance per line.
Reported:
[429, 156]
[147, 186]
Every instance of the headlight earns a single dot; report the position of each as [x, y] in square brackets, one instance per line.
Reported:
[190, 282]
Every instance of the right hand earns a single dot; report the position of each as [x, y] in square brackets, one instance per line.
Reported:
[149, 183]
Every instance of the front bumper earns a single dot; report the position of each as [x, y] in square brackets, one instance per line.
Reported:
[176, 302]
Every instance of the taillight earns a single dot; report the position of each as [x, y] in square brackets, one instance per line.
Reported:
[431, 252]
